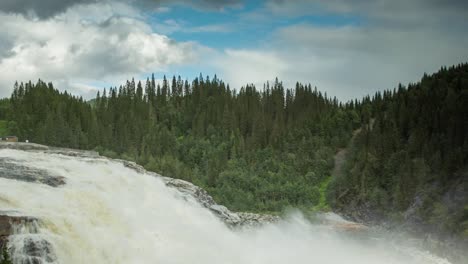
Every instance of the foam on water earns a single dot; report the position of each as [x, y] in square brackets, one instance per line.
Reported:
[107, 213]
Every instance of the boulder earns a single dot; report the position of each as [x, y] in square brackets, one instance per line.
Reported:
[10, 169]
[8, 222]
[25, 244]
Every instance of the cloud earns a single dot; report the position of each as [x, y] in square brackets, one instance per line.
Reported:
[214, 28]
[379, 11]
[41, 9]
[345, 61]
[77, 43]
[204, 4]
[67, 48]
[170, 26]
[394, 41]
[364, 6]
[353, 61]
[44, 9]
[241, 67]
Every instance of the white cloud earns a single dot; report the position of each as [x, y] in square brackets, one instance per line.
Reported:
[71, 47]
[354, 61]
[163, 9]
[347, 61]
[383, 43]
[214, 28]
[170, 26]
[79, 44]
[239, 67]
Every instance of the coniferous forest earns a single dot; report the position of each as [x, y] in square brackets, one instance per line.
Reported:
[268, 148]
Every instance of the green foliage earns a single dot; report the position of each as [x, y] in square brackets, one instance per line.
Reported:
[5, 256]
[264, 150]
[252, 150]
[411, 139]
[4, 128]
[323, 205]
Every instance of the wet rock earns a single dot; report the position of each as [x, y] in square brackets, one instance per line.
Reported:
[33, 250]
[20, 234]
[252, 219]
[22, 146]
[232, 219]
[7, 224]
[201, 196]
[74, 152]
[8, 220]
[132, 165]
[9, 169]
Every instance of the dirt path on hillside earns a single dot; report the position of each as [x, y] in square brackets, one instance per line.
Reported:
[340, 156]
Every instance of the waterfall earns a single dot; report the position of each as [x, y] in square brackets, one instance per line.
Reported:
[109, 213]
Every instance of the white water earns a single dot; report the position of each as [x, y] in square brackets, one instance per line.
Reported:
[106, 213]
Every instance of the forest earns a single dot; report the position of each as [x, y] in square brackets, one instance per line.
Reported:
[252, 150]
[411, 155]
[269, 148]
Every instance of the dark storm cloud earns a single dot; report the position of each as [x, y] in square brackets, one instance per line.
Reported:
[48, 8]
[40, 8]
[458, 4]
[396, 8]
[6, 44]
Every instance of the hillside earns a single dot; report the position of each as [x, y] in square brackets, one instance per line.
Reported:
[410, 164]
[268, 149]
[253, 150]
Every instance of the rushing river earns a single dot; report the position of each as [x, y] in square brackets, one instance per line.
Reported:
[107, 213]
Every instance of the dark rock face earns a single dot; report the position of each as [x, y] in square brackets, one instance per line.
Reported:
[7, 223]
[20, 234]
[34, 251]
[9, 169]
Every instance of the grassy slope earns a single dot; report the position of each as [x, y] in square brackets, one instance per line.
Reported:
[323, 205]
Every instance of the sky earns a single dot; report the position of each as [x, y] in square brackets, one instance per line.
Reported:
[346, 48]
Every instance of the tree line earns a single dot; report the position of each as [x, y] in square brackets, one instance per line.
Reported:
[252, 149]
[264, 149]
[412, 152]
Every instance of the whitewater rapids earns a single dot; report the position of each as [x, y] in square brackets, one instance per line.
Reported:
[108, 213]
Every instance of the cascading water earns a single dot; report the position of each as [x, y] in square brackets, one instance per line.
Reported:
[108, 213]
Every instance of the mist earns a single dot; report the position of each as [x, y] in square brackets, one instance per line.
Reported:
[108, 213]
